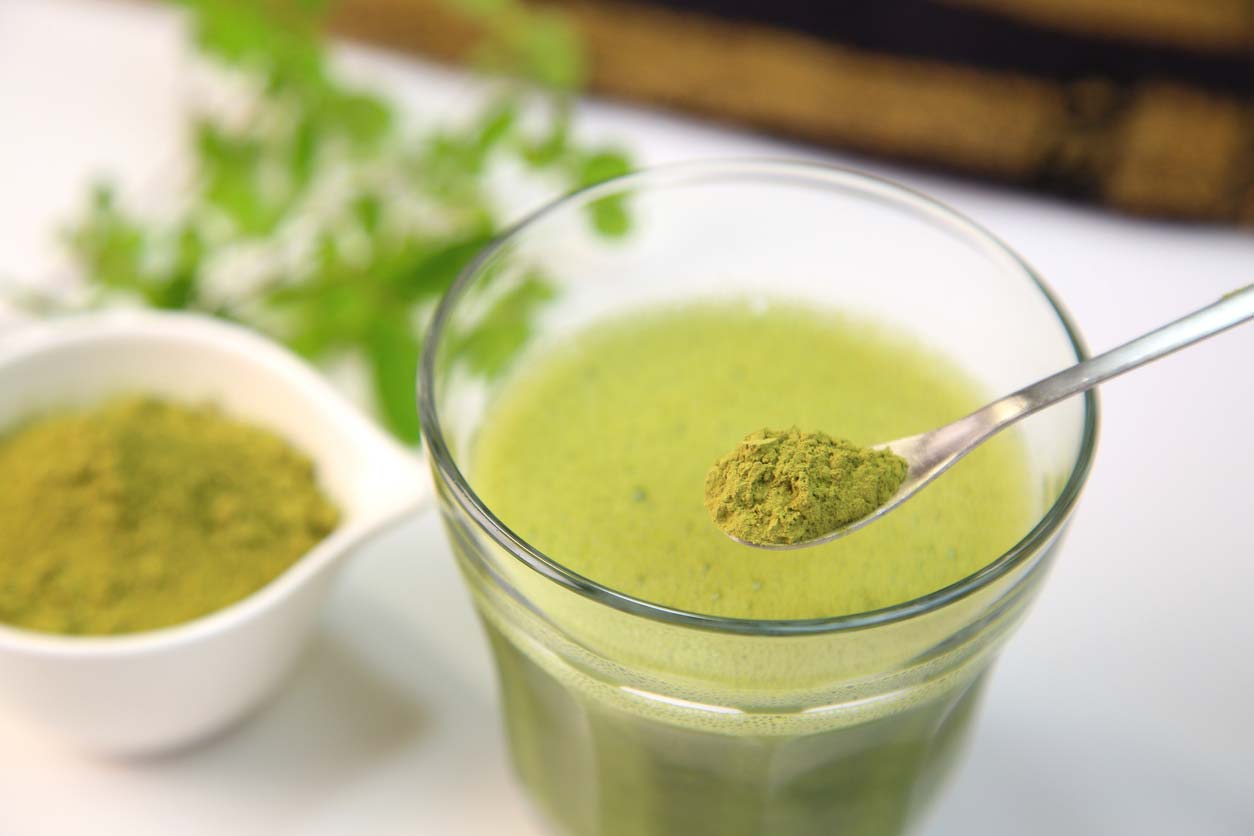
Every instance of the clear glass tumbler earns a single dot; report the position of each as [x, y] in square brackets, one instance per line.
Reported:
[626, 718]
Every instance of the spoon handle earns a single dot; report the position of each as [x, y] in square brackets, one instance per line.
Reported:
[1230, 311]
[931, 453]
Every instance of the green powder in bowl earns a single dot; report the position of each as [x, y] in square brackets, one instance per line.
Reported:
[142, 514]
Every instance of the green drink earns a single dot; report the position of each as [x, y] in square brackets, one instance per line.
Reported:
[597, 454]
[656, 677]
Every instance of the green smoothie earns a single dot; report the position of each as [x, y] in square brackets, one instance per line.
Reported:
[596, 453]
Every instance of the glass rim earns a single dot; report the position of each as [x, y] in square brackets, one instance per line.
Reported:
[682, 173]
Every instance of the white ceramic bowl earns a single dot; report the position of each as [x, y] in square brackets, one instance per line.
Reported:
[166, 688]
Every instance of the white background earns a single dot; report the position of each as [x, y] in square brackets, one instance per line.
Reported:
[1123, 706]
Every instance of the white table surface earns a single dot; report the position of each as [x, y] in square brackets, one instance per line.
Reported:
[1123, 706]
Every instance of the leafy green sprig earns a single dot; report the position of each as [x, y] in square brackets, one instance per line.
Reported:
[324, 224]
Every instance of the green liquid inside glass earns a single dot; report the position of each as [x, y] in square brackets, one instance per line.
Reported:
[596, 454]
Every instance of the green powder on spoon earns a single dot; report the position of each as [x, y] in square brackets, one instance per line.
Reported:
[786, 486]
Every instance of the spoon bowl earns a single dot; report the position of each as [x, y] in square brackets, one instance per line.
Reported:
[159, 690]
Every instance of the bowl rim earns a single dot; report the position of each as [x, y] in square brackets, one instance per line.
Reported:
[458, 490]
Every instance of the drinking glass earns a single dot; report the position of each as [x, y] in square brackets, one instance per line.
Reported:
[627, 718]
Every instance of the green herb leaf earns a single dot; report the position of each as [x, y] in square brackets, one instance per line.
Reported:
[505, 328]
[439, 267]
[496, 125]
[556, 144]
[610, 216]
[550, 51]
[392, 351]
[602, 166]
[365, 119]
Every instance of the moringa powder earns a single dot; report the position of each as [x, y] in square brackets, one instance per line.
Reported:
[786, 486]
[143, 514]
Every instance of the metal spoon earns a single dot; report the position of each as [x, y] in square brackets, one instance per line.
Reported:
[931, 453]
